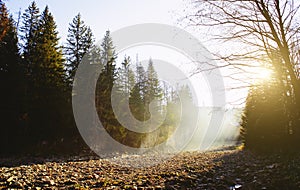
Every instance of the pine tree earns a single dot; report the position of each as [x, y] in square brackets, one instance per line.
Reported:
[105, 84]
[8, 42]
[108, 57]
[79, 42]
[126, 77]
[152, 88]
[137, 94]
[50, 58]
[29, 32]
[50, 84]
[46, 86]
[122, 87]
[28, 41]
[141, 79]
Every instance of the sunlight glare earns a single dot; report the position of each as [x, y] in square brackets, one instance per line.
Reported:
[263, 74]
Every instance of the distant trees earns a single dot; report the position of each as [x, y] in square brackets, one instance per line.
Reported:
[146, 92]
[143, 92]
[269, 32]
[141, 87]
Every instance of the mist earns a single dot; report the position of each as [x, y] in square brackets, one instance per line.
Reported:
[204, 134]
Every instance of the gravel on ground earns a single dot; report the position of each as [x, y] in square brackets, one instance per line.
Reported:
[223, 169]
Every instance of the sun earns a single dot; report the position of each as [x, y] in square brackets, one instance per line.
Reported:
[263, 74]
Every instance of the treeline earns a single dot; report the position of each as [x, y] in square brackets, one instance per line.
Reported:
[147, 97]
[37, 76]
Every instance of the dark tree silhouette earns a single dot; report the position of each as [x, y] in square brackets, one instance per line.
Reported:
[11, 82]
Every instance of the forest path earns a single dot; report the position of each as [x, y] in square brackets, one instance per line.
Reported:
[227, 169]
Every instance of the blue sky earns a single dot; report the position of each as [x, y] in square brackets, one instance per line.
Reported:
[102, 15]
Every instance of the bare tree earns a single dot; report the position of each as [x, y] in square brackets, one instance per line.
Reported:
[259, 33]
[267, 30]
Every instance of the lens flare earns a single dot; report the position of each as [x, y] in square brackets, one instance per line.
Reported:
[263, 74]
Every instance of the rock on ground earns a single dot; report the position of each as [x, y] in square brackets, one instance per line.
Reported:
[229, 169]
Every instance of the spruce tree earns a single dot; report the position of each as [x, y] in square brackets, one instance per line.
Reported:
[137, 94]
[152, 88]
[80, 40]
[105, 84]
[50, 58]
[124, 83]
[50, 76]
[126, 78]
[29, 32]
[8, 42]
[28, 41]
[46, 80]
